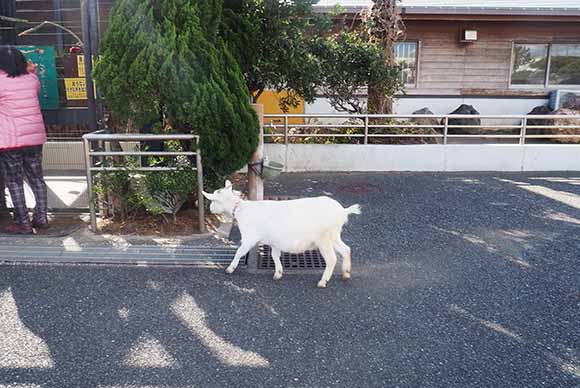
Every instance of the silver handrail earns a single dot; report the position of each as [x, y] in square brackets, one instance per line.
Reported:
[281, 121]
[103, 137]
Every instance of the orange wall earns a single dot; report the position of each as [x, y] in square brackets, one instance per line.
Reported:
[270, 100]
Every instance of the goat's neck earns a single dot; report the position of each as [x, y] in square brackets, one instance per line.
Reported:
[236, 207]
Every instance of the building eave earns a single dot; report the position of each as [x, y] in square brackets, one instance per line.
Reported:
[472, 11]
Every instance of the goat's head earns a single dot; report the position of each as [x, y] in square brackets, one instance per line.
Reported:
[223, 200]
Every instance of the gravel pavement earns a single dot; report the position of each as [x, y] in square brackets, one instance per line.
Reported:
[459, 280]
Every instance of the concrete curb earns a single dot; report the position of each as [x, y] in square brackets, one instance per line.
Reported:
[215, 257]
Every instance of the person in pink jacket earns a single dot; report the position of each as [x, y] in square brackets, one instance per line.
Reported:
[22, 135]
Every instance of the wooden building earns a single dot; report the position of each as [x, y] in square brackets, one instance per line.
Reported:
[501, 56]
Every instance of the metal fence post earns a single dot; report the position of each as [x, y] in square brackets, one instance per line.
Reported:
[366, 141]
[523, 130]
[445, 129]
[286, 129]
[200, 198]
[88, 167]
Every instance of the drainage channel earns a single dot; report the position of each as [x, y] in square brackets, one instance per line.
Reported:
[307, 261]
[154, 255]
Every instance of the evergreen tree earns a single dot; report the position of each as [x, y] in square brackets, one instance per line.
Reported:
[288, 47]
[166, 62]
[271, 41]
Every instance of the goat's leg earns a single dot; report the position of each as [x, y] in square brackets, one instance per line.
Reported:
[276, 253]
[327, 251]
[242, 250]
[345, 252]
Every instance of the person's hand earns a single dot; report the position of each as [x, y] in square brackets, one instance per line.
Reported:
[31, 67]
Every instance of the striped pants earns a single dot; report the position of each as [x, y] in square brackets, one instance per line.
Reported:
[17, 165]
[2, 190]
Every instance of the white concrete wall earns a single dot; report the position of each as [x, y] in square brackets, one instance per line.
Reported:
[65, 155]
[69, 155]
[357, 157]
[368, 158]
[485, 106]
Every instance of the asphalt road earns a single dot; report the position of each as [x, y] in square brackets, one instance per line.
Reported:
[459, 280]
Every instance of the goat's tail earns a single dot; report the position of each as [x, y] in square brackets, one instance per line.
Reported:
[354, 209]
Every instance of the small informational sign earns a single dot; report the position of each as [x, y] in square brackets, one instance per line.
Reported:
[74, 79]
[76, 88]
[45, 58]
[81, 65]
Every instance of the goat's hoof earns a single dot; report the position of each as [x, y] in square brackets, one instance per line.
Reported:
[277, 275]
[230, 270]
[322, 284]
[346, 276]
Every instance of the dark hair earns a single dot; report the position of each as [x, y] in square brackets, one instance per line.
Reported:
[12, 61]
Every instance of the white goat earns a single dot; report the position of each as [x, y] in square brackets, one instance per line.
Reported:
[288, 226]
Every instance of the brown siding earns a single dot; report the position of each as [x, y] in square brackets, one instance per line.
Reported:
[448, 66]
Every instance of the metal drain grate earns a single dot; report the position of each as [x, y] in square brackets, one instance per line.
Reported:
[309, 260]
[290, 261]
[136, 254]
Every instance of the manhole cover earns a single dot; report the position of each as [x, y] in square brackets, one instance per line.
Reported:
[290, 261]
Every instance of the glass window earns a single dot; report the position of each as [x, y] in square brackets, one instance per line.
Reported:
[565, 64]
[406, 56]
[530, 62]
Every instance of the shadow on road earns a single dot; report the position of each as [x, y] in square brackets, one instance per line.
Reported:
[459, 281]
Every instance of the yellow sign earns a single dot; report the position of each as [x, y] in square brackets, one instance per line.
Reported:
[76, 88]
[81, 64]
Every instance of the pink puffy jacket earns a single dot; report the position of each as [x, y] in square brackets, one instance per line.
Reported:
[21, 123]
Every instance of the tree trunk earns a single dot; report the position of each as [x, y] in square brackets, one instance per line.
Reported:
[385, 27]
[378, 102]
[255, 183]
[256, 97]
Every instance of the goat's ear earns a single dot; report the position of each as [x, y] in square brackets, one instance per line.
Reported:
[208, 196]
[228, 185]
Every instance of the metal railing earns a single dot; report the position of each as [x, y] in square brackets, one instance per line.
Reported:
[284, 131]
[101, 137]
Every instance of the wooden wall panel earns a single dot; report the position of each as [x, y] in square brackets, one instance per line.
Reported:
[448, 66]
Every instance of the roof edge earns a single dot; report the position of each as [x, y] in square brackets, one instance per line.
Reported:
[464, 10]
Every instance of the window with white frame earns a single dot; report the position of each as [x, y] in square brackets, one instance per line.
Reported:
[406, 56]
[545, 65]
